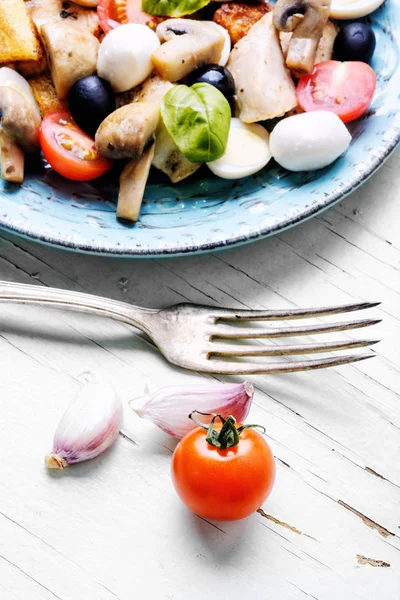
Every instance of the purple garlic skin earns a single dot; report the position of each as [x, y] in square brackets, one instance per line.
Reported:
[89, 426]
[169, 408]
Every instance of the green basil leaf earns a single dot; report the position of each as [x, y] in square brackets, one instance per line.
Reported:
[198, 119]
[172, 8]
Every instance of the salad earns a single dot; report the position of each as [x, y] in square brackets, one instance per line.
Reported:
[177, 84]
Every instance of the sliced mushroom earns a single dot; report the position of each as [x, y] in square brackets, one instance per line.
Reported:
[71, 53]
[307, 19]
[153, 89]
[325, 46]
[127, 131]
[167, 156]
[58, 12]
[185, 45]
[12, 159]
[132, 183]
[169, 159]
[264, 87]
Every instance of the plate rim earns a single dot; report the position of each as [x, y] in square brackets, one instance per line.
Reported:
[239, 240]
[373, 162]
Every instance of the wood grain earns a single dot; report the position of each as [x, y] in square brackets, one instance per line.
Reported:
[114, 528]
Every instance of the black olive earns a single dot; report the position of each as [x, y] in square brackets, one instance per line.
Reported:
[90, 101]
[217, 76]
[355, 41]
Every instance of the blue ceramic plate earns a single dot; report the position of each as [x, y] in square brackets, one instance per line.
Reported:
[206, 213]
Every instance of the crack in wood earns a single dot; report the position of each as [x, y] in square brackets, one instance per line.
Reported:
[367, 229]
[302, 591]
[40, 539]
[276, 533]
[283, 524]
[31, 254]
[18, 268]
[260, 283]
[166, 447]
[185, 281]
[212, 524]
[126, 437]
[368, 469]
[283, 462]
[178, 293]
[363, 560]
[282, 404]
[293, 554]
[389, 389]
[372, 472]
[369, 522]
[30, 577]
[108, 589]
[316, 560]
[330, 438]
[347, 241]
[309, 262]
[3, 337]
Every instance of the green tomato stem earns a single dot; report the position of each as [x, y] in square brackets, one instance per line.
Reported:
[228, 435]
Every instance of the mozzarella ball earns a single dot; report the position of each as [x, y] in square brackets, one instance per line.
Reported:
[247, 151]
[353, 9]
[125, 56]
[309, 141]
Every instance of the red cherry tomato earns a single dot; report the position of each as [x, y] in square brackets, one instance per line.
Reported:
[345, 88]
[223, 485]
[119, 12]
[69, 150]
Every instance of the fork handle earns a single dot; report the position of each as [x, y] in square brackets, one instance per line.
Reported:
[22, 293]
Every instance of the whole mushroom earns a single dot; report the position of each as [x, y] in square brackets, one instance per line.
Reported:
[129, 132]
[185, 45]
[307, 19]
[19, 119]
[19, 124]
[125, 133]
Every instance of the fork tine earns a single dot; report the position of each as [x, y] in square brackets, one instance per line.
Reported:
[236, 350]
[231, 368]
[223, 331]
[291, 313]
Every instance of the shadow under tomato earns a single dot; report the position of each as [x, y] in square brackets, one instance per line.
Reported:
[223, 538]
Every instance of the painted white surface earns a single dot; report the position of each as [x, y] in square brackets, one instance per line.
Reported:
[114, 528]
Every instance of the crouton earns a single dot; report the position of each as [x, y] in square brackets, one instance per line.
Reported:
[33, 68]
[238, 17]
[18, 39]
[45, 94]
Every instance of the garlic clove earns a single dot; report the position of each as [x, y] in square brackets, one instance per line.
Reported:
[89, 426]
[169, 408]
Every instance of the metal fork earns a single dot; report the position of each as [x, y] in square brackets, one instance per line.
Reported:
[192, 336]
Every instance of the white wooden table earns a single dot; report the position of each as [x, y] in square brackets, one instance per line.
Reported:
[115, 528]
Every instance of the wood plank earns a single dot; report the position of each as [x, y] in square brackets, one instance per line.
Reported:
[115, 526]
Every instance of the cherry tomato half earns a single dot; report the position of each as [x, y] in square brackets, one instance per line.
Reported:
[69, 150]
[345, 88]
[118, 12]
[223, 485]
